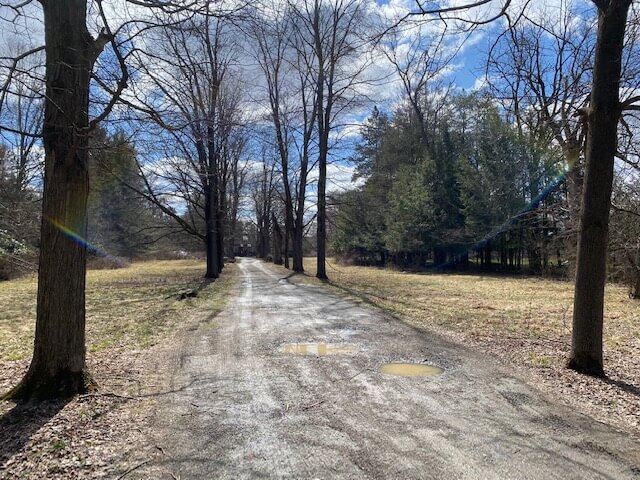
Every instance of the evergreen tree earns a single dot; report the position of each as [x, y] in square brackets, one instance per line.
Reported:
[119, 220]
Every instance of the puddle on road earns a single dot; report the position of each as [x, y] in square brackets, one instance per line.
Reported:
[319, 349]
[410, 370]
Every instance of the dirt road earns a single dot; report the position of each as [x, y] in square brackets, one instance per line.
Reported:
[246, 405]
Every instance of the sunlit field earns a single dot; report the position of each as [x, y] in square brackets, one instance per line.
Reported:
[130, 307]
[485, 305]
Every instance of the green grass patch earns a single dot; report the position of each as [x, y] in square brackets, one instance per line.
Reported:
[539, 360]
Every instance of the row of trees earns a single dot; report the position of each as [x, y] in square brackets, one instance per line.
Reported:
[557, 77]
[458, 195]
[171, 71]
[313, 56]
[482, 194]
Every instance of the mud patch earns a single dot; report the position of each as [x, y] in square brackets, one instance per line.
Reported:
[318, 349]
[410, 370]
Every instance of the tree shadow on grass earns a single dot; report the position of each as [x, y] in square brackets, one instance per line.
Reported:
[621, 384]
[365, 297]
[19, 424]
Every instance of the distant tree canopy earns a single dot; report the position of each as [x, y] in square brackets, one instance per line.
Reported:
[462, 188]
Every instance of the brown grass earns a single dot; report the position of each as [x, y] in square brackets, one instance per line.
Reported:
[134, 323]
[131, 307]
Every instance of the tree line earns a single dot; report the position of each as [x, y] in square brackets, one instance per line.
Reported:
[481, 194]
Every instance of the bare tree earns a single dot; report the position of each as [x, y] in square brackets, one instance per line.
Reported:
[541, 70]
[333, 34]
[234, 181]
[624, 226]
[291, 98]
[199, 110]
[420, 59]
[277, 240]
[22, 115]
[263, 196]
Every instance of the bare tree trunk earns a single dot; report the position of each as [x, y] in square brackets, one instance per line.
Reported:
[635, 289]
[219, 240]
[58, 366]
[635, 273]
[222, 209]
[263, 233]
[287, 235]
[233, 223]
[324, 115]
[602, 118]
[322, 214]
[297, 244]
[211, 243]
[213, 184]
[277, 241]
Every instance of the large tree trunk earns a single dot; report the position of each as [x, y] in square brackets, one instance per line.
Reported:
[222, 206]
[297, 244]
[277, 241]
[58, 366]
[322, 213]
[602, 118]
[211, 241]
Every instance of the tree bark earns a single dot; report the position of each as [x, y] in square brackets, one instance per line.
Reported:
[58, 367]
[211, 242]
[297, 244]
[213, 186]
[222, 208]
[602, 121]
[322, 216]
[323, 113]
[287, 234]
[277, 241]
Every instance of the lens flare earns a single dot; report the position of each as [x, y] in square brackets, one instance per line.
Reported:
[79, 239]
[558, 180]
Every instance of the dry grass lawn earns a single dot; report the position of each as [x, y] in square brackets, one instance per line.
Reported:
[524, 321]
[129, 307]
[134, 321]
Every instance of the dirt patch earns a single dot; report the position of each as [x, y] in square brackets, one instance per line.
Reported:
[614, 400]
[87, 436]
